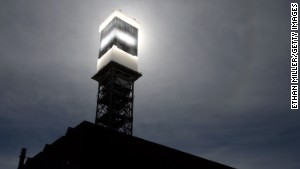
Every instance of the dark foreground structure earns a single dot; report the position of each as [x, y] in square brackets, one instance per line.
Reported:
[90, 146]
[109, 142]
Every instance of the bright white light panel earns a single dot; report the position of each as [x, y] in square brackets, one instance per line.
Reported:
[118, 41]
[119, 33]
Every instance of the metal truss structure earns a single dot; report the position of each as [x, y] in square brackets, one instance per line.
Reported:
[115, 97]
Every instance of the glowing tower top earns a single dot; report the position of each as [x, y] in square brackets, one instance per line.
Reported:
[119, 41]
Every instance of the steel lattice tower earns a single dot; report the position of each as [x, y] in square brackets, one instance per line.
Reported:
[116, 72]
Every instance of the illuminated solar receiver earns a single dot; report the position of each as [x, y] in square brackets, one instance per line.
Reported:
[118, 41]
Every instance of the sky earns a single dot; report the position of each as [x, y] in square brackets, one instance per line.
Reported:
[215, 84]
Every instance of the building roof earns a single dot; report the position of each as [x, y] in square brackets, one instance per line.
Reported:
[90, 146]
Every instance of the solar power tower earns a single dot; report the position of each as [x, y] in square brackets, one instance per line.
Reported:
[117, 70]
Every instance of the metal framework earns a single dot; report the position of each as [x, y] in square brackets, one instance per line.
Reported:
[115, 97]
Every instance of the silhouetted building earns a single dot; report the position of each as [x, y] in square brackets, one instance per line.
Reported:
[90, 146]
[22, 158]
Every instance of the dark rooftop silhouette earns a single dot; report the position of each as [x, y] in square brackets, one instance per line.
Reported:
[90, 146]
